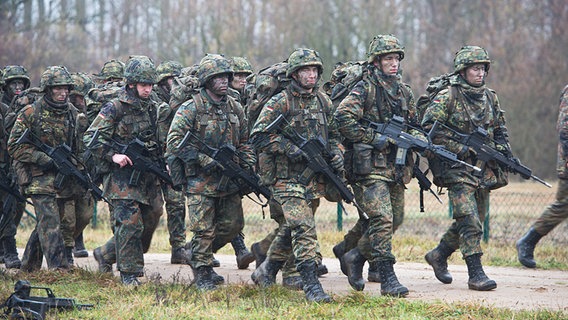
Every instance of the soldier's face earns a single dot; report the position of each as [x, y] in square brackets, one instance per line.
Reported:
[78, 101]
[219, 84]
[475, 74]
[16, 86]
[239, 81]
[307, 76]
[389, 63]
[144, 90]
[59, 93]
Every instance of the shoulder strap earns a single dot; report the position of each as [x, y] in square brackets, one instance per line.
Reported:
[199, 106]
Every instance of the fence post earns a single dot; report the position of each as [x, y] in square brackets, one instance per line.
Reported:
[339, 217]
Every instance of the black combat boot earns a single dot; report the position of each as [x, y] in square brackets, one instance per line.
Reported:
[477, 278]
[322, 269]
[293, 282]
[353, 262]
[202, 278]
[339, 251]
[217, 278]
[180, 256]
[438, 259]
[216, 263]
[244, 257]
[525, 248]
[79, 251]
[129, 278]
[374, 274]
[389, 282]
[312, 287]
[1, 254]
[258, 253]
[11, 259]
[69, 256]
[104, 266]
[265, 274]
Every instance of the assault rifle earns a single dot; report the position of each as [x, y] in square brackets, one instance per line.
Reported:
[63, 159]
[478, 142]
[21, 305]
[316, 155]
[140, 157]
[225, 156]
[395, 130]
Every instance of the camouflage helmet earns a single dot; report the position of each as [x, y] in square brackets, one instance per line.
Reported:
[469, 55]
[55, 76]
[168, 69]
[241, 65]
[212, 65]
[140, 69]
[384, 44]
[303, 57]
[112, 69]
[81, 84]
[15, 72]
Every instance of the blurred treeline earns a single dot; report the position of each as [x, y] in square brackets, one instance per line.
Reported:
[527, 42]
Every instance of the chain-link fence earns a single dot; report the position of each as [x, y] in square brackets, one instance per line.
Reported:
[513, 209]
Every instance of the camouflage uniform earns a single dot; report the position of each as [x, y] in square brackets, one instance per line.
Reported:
[310, 114]
[175, 200]
[8, 112]
[53, 123]
[136, 208]
[557, 212]
[215, 216]
[370, 162]
[471, 107]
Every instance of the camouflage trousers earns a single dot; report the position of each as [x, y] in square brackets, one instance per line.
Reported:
[175, 211]
[46, 239]
[554, 214]
[283, 246]
[214, 222]
[75, 213]
[468, 205]
[134, 228]
[355, 237]
[376, 199]
[10, 223]
[296, 236]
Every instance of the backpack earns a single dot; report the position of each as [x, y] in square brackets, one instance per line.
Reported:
[433, 87]
[343, 78]
[182, 90]
[96, 97]
[267, 83]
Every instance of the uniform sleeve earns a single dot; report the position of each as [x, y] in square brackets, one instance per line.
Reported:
[181, 124]
[25, 152]
[103, 128]
[263, 140]
[350, 111]
[438, 111]
[562, 125]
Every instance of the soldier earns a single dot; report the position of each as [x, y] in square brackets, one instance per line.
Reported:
[111, 76]
[14, 81]
[465, 106]
[175, 200]
[51, 120]
[378, 183]
[137, 203]
[282, 163]
[242, 69]
[216, 216]
[75, 218]
[557, 211]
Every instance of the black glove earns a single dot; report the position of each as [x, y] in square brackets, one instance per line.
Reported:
[296, 154]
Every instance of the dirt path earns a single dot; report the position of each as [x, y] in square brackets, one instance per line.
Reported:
[516, 288]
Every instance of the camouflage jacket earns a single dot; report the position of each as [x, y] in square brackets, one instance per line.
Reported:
[465, 117]
[310, 114]
[122, 120]
[562, 128]
[52, 125]
[216, 124]
[369, 99]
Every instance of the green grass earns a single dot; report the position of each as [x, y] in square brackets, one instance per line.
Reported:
[177, 300]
